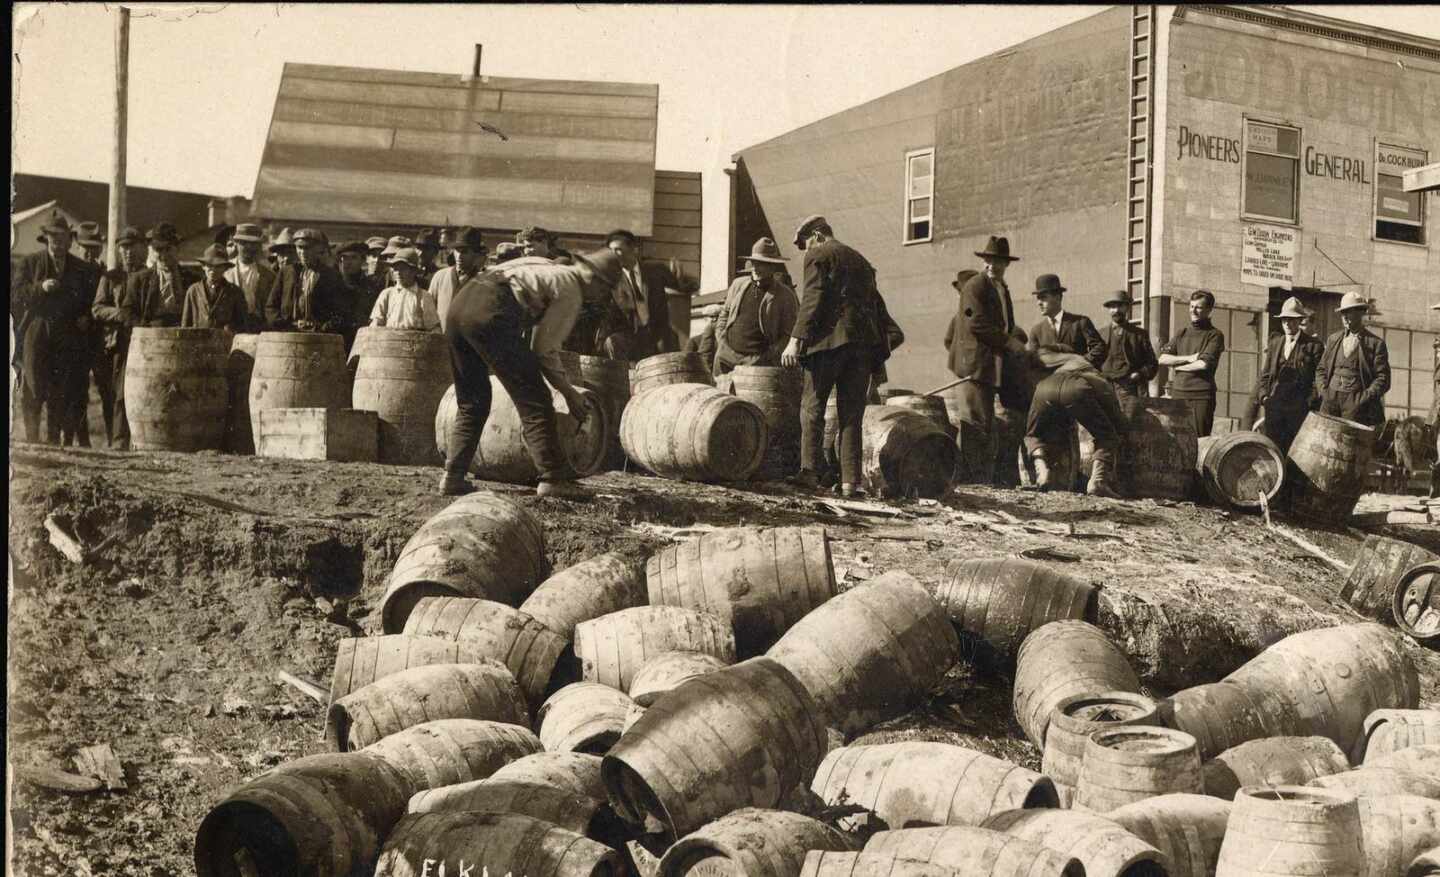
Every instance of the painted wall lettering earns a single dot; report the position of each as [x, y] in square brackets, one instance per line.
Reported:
[1207, 146]
[1336, 167]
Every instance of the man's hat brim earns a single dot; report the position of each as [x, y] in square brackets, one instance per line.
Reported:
[984, 255]
[1118, 301]
[766, 259]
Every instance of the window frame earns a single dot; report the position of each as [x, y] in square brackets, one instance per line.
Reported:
[1375, 219]
[907, 200]
[1245, 123]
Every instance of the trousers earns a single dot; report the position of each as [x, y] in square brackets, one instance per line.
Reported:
[976, 403]
[1346, 404]
[844, 370]
[1202, 411]
[1282, 424]
[484, 328]
[1066, 398]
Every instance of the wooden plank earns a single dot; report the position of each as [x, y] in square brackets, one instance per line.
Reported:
[464, 167]
[586, 194]
[676, 218]
[677, 202]
[295, 208]
[306, 133]
[677, 185]
[573, 86]
[450, 80]
[421, 186]
[533, 147]
[400, 95]
[577, 104]
[672, 234]
[433, 119]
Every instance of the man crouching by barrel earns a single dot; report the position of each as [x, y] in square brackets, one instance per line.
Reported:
[1073, 392]
[485, 326]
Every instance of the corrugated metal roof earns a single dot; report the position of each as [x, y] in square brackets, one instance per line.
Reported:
[350, 144]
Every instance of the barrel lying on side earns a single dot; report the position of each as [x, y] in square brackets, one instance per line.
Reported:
[751, 842]
[1329, 460]
[1237, 468]
[694, 432]
[997, 602]
[1272, 761]
[502, 454]
[1388, 731]
[1416, 605]
[827, 863]
[1102, 846]
[1420, 759]
[498, 842]
[575, 772]
[1381, 781]
[905, 454]
[1395, 829]
[667, 671]
[176, 389]
[972, 850]
[589, 589]
[591, 817]
[1370, 586]
[1186, 829]
[613, 648]
[425, 694]
[1063, 659]
[451, 751]
[1427, 864]
[583, 717]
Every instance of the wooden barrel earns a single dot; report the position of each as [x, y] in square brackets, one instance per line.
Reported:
[1158, 448]
[1329, 460]
[239, 437]
[1381, 781]
[176, 389]
[500, 843]
[996, 602]
[829, 863]
[610, 380]
[1125, 765]
[1427, 864]
[751, 842]
[574, 772]
[363, 660]
[401, 375]
[613, 648]
[760, 581]
[1186, 829]
[1272, 761]
[932, 408]
[971, 850]
[529, 649]
[1420, 759]
[1396, 829]
[913, 784]
[1063, 659]
[591, 817]
[667, 671]
[743, 736]
[589, 589]
[425, 694]
[1103, 847]
[1292, 830]
[449, 751]
[1072, 722]
[1388, 731]
[1237, 467]
[322, 815]
[583, 717]
[776, 392]
[664, 369]
[297, 370]
[502, 454]
[1416, 605]
[691, 432]
[481, 545]
[904, 454]
[1378, 566]
[872, 653]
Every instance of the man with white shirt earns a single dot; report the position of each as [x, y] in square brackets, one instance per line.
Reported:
[1354, 371]
[405, 305]
[1285, 387]
[251, 274]
[643, 324]
[468, 248]
[1060, 331]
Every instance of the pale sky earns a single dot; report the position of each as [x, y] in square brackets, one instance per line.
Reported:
[203, 77]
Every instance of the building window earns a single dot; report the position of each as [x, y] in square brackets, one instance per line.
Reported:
[1399, 215]
[919, 194]
[1272, 172]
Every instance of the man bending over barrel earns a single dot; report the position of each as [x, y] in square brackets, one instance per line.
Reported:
[1073, 392]
[485, 326]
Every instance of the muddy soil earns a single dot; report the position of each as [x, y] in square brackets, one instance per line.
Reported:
[211, 573]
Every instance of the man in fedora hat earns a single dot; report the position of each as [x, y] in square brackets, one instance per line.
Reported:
[50, 295]
[311, 297]
[427, 244]
[154, 297]
[214, 302]
[987, 352]
[485, 328]
[115, 334]
[253, 277]
[754, 323]
[1354, 371]
[1129, 362]
[406, 304]
[1058, 330]
[91, 242]
[1285, 387]
[468, 247]
[839, 340]
[1193, 356]
[1072, 392]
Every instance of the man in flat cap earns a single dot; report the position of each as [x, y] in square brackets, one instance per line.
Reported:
[754, 323]
[250, 273]
[839, 340]
[214, 302]
[1193, 356]
[50, 294]
[468, 247]
[1129, 362]
[1285, 387]
[154, 297]
[115, 333]
[375, 247]
[311, 297]
[1354, 371]
[406, 304]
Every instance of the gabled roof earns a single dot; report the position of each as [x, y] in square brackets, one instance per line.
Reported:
[26, 214]
[84, 199]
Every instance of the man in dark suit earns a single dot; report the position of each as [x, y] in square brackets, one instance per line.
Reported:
[114, 334]
[310, 298]
[1129, 362]
[1285, 387]
[1354, 371]
[839, 340]
[50, 294]
[155, 296]
[643, 322]
[250, 272]
[1061, 332]
[987, 352]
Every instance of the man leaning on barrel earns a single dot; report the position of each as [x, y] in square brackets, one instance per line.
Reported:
[1354, 371]
[1285, 387]
[1193, 355]
[753, 325]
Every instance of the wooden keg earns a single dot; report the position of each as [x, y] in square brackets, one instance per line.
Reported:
[424, 694]
[575, 772]
[589, 589]
[1395, 830]
[1388, 731]
[298, 370]
[904, 454]
[176, 389]
[1129, 764]
[1292, 830]
[441, 753]
[613, 647]
[401, 375]
[502, 455]
[667, 671]
[996, 602]
[362, 660]
[776, 392]
[693, 432]
[972, 850]
[610, 380]
[583, 717]
[1102, 846]
[751, 842]
[1416, 605]
[1072, 722]
[1237, 467]
[1158, 448]
[239, 437]
[1329, 461]
[1272, 761]
[664, 369]
[1379, 564]
[1381, 782]
[932, 408]
[1063, 659]
[501, 843]
[581, 814]
[1187, 829]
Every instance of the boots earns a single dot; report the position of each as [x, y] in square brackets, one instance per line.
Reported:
[1042, 470]
[1102, 474]
[454, 485]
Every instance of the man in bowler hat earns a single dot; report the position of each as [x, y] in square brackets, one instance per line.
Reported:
[1285, 387]
[1059, 330]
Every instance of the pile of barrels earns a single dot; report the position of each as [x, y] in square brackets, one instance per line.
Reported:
[687, 714]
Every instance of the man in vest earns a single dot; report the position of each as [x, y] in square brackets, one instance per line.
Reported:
[1193, 356]
[1129, 362]
[1058, 330]
[753, 325]
[1285, 387]
[1354, 371]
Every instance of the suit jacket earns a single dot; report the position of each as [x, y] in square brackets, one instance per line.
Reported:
[1077, 335]
[106, 309]
[1289, 383]
[46, 322]
[981, 331]
[777, 315]
[1139, 353]
[326, 306]
[220, 308]
[142, 303]
[839, 304]
[1374, 373]
[643, 314]
[263, 281]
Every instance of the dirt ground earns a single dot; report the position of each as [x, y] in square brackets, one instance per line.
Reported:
[211, 573]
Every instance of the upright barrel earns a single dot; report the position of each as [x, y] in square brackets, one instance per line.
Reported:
[1329, 460]
[610, 380]
[502, 454]
[664, 369]
[776, 392]
[298, 370]
[1379, 564]
[239, 438]
[1292, 830]
[1158, 448]
[1237, 468]
[692, 432]
[1074, 720]
[176, 392]
[932, 408]
[402, 374]
[1129, 764]
[905, 454]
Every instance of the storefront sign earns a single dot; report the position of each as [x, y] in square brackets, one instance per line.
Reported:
[1392, 202]
[1336, 167]
[1267, 255]
[1263, 137]
[1208, 146]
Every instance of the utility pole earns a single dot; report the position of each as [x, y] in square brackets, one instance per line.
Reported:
[117, 166]
[475, 74]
